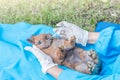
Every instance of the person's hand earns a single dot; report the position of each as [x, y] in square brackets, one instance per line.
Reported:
[66, 30]
[45, 60]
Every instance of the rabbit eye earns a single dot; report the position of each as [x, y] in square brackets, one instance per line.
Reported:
[39, 42]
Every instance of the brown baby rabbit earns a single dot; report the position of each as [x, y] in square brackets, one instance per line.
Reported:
[64, 52]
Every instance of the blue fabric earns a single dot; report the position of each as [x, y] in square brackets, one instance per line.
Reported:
[18, 64]
[15, 62]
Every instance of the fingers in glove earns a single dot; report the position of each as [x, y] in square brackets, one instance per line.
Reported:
[41, 53]
[62, 34]
[28, 48]
[57, 32]
[60, 24]
[34, 51]
[56, 29]
[37, 49]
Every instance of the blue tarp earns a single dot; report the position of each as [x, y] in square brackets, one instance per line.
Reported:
[18, 64]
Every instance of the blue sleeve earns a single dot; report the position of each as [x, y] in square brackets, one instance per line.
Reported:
[104, 41]
[108, 45]
[73, 75]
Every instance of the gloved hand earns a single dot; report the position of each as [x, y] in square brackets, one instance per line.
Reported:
[66, 30]
[45, 60]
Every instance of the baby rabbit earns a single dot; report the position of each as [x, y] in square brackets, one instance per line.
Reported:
[64, 52]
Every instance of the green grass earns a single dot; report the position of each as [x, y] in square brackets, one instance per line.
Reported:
[84, 13]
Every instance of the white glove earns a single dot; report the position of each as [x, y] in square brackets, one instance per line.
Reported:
[66, 30]
[45, 60]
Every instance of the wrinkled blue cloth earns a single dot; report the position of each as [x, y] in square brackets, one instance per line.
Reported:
[19, 64]
[15, 62]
